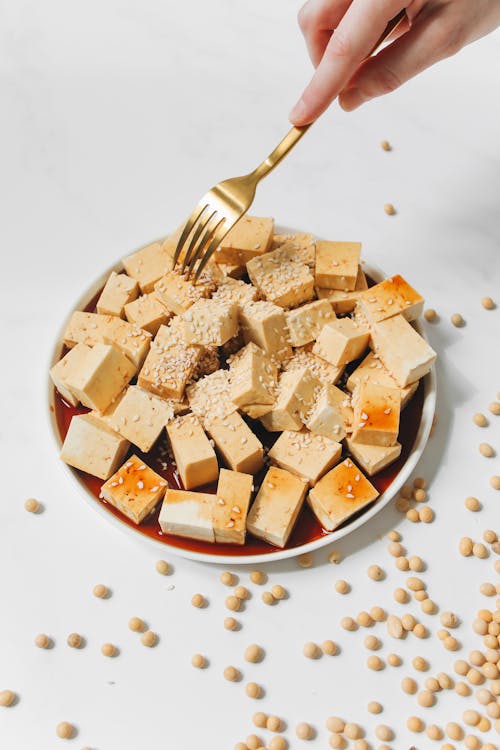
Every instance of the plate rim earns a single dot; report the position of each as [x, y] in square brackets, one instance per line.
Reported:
[421, 439]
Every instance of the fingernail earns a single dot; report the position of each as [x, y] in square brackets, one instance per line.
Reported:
[351, 99]
[298, 112]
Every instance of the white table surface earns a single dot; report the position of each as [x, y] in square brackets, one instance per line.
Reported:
[116, 116]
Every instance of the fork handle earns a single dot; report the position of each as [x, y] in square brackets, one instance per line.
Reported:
[295, 134]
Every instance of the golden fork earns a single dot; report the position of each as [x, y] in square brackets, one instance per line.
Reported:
[219, 209]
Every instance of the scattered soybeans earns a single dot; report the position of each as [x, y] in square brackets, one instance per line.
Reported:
[480, 420]
[278, 591]
[231, 674]
[420, 664]
[253, 742]
[329, 648]
[434, 732]
[352, 731]
[454, 731]
[490, 536]
[305, 560]
[393, 660]
[334, 557]
[426, 514]
[311, 650]
[230, 623]
[419, 494]
[108, 649]
[74, 640]
[253, 653]
[136, 624]
[413, 515]
[42, 640]
[386, 146]
[277, 743]
[335, 724]
[488, 589]
[384, 733]
[100, 591]
[479, 550]
[448, 619]
[488, 303]
[274, 724]
[253, 690]
[227, 579]
[375, 663]
[7, 698]
[430, 315]
[465, 546]
[342, 587]
[389, 209]
[426, 698]
[259, 719]
[149, 639]
[395, 549]
[198, 661]
[32, 505]
[268, 598]
[494, 408]
[457, 320]
[347, 623]
[472, 504]
[304, 731]
[409, 686]
[402, 563]
[486, 450]
[65, 730]
[241, 593]
[374, 707]
[378, 614]
[415, 724]
[198, 600]
[375, 572]
[162, 567]
[372, 643]
[336, 741]
[364, 619]
[416, 564]
[258, 577]
[495, 482]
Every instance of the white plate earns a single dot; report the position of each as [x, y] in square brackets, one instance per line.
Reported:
[420, 441]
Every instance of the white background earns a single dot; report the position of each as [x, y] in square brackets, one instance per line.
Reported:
[116, 117]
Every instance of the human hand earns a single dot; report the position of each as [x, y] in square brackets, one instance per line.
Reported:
[340, 34]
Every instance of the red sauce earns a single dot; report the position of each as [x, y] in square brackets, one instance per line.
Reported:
[307, 528]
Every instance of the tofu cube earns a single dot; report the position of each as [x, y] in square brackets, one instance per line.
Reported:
[177, 293]
[341, 341]
[320, 368]
[195, 458]
[237, 444]
[253, 377]
[373, 458]
[372, 370]
[135, 489]
[251, 236]
[337, 264]
[306, 322]
[209, 398]
[148, 265]
[304, 454]
[342, 301]
[234, 491]
[208, 363]
[277, 506]
[92, 447]
[102, 375]
[188, 514]
[339, 494]
[300, 246]
[254, 411]
[92, 328]
[281, 280]
[69, 367]
[147, 313]
[403, 352]
[331, 414]
[141, 417]
[118, 291]
[170, 363]
[391, 297]
[265, 325]
[297, 391]
[376, 414]
[235, 292]
[210, 323]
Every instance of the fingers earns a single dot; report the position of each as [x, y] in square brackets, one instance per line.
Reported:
[317, 20]
[352, 40]
[431, 38]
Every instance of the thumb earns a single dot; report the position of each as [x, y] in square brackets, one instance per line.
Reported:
[432, 37]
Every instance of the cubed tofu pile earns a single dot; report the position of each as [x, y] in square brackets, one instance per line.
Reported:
[281, 334]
